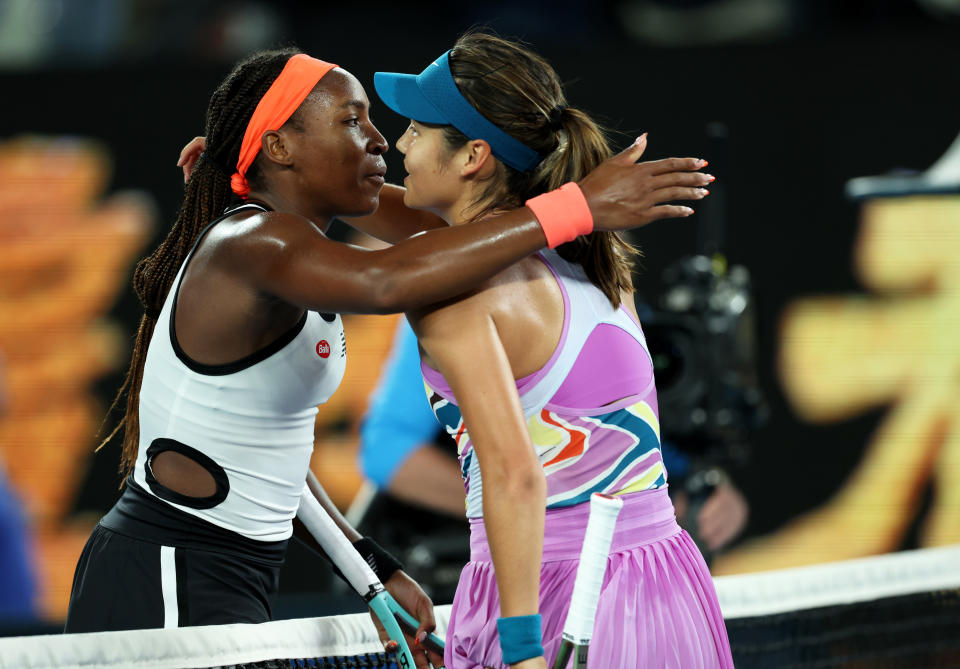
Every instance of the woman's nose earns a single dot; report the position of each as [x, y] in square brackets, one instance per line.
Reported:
[378, 143]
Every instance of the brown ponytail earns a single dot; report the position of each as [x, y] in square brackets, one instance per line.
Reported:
[206, 196]
[518, 91]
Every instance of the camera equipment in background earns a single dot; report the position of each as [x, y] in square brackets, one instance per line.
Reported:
[701, 338]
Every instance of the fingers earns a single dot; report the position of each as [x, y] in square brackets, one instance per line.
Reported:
[381, 632]
[420, 658]
[427, 625]
[717, 534]
[667, 211]
[692, 179]
[420, 655]
[667, 165]
[710, 525]
[427, 622]
[435, 659]
[194, 146]
[722, 517]
[680, 193]
[632, 153]
[189, 155]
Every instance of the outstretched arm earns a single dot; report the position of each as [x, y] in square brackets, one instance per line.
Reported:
[621, 193]
[293, 261]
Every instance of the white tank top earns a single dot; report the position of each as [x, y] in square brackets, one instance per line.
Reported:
[253, 418]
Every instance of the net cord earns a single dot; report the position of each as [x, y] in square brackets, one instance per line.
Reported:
[746, 595]
[846, 582]
[207, 646]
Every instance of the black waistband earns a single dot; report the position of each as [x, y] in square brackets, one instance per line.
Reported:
[140, 515]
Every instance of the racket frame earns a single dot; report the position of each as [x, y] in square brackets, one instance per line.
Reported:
[357, 573]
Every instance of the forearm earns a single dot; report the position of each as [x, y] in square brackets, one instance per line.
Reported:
[302, 533]
[513, 513]
[430, 478]
[444, 263]
[291, 262]
[393, 221]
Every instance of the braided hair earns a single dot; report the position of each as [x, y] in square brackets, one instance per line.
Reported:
[206, 196]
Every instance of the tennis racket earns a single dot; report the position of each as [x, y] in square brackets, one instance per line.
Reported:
[362, 579]
[578, 628]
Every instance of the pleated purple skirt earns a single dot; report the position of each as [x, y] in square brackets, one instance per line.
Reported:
[658, 607]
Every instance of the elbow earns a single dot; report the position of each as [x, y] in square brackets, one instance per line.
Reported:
[521, 485]
[397, 283]
[388, 294]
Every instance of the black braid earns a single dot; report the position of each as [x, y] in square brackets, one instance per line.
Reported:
[206, 195]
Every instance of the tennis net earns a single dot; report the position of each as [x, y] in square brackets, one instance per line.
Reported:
[900, 610]
[897, 610]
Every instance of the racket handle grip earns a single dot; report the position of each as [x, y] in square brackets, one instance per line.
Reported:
[336, 545]
[593, 565]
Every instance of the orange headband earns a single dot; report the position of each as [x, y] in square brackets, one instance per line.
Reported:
[298, 78]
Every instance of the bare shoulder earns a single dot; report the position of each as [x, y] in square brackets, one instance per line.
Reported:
[493, 295]
[245, 241]
[521, 307]
[526, 289]
[267, 228]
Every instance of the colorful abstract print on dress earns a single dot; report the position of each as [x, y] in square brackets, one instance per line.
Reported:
[614, 452]
[601, 363]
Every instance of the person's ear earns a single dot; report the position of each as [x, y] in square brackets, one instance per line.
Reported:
[477, 159]
[276, 147]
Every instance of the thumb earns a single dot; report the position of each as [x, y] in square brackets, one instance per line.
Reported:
[427, 623]
[193, 148]
[632, 153]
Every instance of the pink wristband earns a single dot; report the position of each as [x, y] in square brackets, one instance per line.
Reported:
[562, 213]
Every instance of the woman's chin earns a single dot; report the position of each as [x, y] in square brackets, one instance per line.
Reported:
[366, 207]
[410, 200]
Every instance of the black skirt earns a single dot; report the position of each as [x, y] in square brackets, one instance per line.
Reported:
[149, 565]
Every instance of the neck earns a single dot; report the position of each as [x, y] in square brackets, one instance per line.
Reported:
[466, 208]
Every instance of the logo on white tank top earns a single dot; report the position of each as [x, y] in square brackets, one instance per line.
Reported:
[323, 348]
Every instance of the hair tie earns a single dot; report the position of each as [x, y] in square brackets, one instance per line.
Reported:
[555, 116]
[239, 185]
[151, 313]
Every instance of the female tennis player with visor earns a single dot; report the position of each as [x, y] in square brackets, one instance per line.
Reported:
[543, 377]
[241, 340]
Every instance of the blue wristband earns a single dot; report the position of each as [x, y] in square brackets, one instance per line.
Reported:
[519, 638]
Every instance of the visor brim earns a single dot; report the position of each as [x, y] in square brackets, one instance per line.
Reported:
[401, 93]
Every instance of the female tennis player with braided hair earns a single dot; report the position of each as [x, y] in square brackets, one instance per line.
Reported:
[241, 339]
[543, 377]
